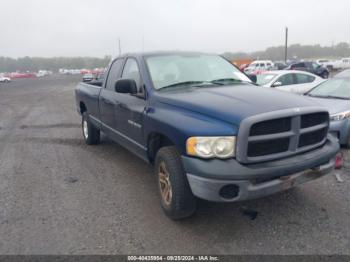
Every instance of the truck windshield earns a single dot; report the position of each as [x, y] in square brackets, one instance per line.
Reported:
[171, 71]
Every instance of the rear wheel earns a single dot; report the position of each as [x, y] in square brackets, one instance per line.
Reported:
[176, 196]
[91, 134]
[325, 75]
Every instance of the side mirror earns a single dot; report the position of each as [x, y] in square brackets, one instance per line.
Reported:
[277, 84]
[253, 78]
[126, 86]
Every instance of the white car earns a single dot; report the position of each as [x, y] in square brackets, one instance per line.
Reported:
[299, 82]
[343, 63]
[258, 66]
[5, 79]
[329, 64]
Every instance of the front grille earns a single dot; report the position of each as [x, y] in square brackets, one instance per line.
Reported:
[312, 137]
[271, 126]
[262, 138]
[268, 147]
[313, 119]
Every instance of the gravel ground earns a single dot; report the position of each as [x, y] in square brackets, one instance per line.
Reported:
[60, 196]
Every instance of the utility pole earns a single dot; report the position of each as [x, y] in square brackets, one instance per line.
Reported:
[286, 47]
[119, 47]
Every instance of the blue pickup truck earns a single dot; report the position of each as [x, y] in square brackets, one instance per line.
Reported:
[207, 130]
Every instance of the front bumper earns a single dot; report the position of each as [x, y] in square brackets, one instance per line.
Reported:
[208, 177]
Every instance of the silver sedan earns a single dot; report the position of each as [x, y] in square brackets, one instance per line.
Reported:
[334, 95]
[289, 80]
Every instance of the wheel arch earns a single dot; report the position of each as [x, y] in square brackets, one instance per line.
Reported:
[156, 141]
[82, 107]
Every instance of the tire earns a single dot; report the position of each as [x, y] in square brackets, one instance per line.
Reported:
[179, 202]
[325, 75]
[347, 144]
[330, 68]
[90, 133]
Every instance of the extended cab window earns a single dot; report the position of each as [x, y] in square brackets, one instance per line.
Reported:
[114, 74]
[302, 78]
[131, 71]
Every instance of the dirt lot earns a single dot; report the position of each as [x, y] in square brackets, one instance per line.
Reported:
[60, 196]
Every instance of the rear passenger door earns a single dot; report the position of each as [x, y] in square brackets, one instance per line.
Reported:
[108, 98]
[303, 83]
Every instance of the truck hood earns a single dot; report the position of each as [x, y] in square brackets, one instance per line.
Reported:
[232, 103]
[332, 105]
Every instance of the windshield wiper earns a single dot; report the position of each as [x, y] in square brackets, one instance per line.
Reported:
[221, 80]
[190, 83]
[185, 83]
[230, 80]
[329, 96]
[338, 97]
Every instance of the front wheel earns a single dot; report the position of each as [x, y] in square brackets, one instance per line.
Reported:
[91, 134]
[325, 75]
[176, 196]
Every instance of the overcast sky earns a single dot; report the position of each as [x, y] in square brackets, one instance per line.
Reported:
[92, 27]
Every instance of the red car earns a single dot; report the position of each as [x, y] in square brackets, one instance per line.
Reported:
[23, 75]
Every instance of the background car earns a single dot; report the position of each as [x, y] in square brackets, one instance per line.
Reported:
[329, 64]
[334, 95]
[343, 63]
[259, 66]
[88, 77]
[242, 67]
[17, 75]
[280, 65]
[289, 80]
[5, 79]
[311, 67]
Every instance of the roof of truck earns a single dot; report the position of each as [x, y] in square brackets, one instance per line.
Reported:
[155, 53]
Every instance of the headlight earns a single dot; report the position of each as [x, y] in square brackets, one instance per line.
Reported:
[210, 147]
[340, 116]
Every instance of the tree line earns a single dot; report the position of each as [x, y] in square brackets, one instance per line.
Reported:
[34, 64]
[295, 51]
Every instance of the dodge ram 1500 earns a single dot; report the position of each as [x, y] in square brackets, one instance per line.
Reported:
[209, 132]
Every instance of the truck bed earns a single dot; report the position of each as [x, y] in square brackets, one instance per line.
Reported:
[90, 95]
